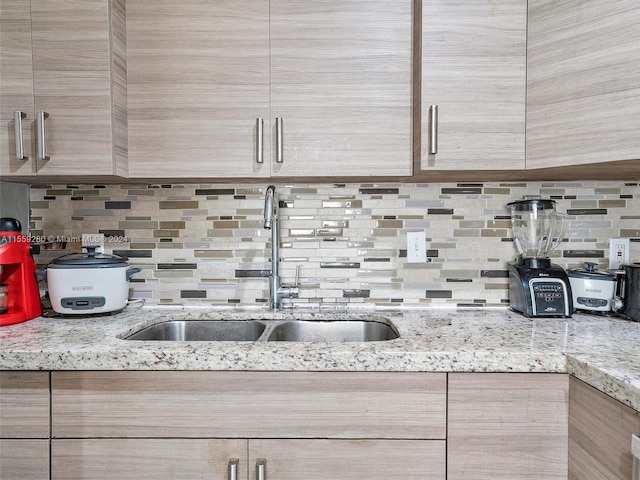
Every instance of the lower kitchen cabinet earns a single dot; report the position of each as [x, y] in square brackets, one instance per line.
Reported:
[507, 426]
[24, 425]
[600, 430]
[320, 425]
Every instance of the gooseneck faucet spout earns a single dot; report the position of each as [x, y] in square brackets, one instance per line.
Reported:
[271, 222]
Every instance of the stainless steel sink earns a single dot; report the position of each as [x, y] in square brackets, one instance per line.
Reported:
[332, 331]
[202, 330]
[263, 330]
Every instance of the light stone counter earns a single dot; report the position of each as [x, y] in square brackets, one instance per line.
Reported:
[602, 351]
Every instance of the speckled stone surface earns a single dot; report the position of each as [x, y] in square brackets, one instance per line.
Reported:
[602, 351]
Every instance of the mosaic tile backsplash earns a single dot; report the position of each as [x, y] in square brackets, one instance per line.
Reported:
[205, 244]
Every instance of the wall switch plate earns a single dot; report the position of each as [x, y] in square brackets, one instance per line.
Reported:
[93, 240]
[416, 247]
[618, 252]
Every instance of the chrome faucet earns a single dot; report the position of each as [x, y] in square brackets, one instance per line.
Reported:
[277, 291]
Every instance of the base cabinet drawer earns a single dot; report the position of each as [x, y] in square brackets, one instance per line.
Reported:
[24, 404]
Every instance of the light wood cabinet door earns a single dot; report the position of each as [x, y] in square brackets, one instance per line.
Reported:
[198, 80]
[507, 426]
[249, 404]
[73, 77]
[583, 82]
[16, 86]
[348, 459]
[24, 459]
[474, 70]
[600, 430]
[24, 404]
[157, 459]
[341, 83]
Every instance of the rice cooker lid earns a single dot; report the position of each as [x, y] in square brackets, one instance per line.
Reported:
[90, 259]
[591, 272]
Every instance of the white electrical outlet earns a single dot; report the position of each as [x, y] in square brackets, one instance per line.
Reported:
[416, 247]
[618, 252]
[93, 240]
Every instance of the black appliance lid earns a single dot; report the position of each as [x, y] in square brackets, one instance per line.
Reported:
[532, 204]
[8, 224]
[88, 260]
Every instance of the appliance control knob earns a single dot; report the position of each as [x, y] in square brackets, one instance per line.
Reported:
[34, 249]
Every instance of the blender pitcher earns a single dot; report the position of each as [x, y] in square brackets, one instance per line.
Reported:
[537, 227]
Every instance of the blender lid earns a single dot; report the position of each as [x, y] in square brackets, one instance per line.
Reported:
[532, 204]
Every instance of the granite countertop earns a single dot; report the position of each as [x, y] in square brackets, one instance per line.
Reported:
[603, 351]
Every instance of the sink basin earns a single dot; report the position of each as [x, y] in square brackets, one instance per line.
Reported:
[202, 330]
[332, 331]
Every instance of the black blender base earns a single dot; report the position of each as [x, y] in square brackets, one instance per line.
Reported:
[539, 292]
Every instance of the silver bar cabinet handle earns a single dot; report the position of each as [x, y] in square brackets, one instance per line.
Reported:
[259, 140]
[17, 120]
[635, 451]
[433, 141]
[261, 469]
[233, 469]
[41, 151]
[279, 158]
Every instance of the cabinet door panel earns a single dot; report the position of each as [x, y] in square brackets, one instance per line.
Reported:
[474, 69]
[355, 459]
[249, 404]
[24, 405]
[72, 83]
[507, 426]
[583, 82]
[600, 430]
[158, 459]
[16, 86]
[341, 81]
[198, 78]
[24, 459]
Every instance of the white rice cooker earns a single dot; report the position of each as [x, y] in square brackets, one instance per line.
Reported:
[87, 283]
[592, 290]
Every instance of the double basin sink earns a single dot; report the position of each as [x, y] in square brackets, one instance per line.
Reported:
[268, 331]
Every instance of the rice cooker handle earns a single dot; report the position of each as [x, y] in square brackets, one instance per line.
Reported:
[131, 271]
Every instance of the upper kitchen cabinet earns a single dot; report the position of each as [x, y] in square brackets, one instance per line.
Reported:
[16, 89]
[341, 85]
[583, 82]
[259, 88]
[473, 85]
[64, 68]
[198, 86]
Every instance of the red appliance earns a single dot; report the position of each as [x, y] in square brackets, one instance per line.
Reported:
[19, 286]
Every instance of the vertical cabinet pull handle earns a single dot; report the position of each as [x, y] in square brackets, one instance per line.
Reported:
[279, 158]
[261, 469]
[433, 130]
[635, 452]
[233, 469]
[259, 140]
[41, 151]
[17, 120]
